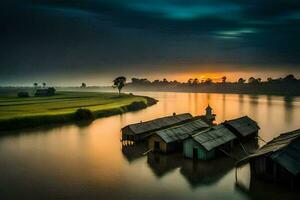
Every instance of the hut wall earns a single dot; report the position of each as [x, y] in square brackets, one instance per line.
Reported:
[188, 148]
[162, 145]
[266, 168]
[202, 154]
[248, 137]
[258, 165]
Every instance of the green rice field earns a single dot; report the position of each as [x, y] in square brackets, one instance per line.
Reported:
[16, 112]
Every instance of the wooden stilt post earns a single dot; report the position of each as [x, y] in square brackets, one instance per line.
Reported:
[292, 183]
[236, 175]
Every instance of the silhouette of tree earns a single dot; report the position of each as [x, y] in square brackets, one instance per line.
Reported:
[119, 83]
[195, 81]
[190, 81]
[156, 82]
[241, 81]
[252, 80]
[44, 85]
[289, 78]
[224, 79]
[83, 85]
[35, 85]
[208, 81]
[269, 79]
[141, 81]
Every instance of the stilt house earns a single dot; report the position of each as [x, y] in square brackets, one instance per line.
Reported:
[278, 160]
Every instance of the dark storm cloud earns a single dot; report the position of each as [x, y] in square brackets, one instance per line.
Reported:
[107, 36]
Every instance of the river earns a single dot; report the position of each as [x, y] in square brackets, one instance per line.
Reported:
[89, 162]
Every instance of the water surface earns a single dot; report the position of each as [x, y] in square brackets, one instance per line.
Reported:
[89, 162]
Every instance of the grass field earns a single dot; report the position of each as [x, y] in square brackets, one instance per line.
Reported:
[18, 112]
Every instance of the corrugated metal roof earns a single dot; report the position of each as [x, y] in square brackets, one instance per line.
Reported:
[181, 132]
[289, 157]
[157, 124]
[214, 137]
[243, 125]
[285, 150]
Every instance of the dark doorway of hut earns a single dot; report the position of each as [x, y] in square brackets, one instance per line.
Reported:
[195, 153]
[156, 146]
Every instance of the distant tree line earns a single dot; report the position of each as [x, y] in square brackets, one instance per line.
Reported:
[36, 85]
[288, 85]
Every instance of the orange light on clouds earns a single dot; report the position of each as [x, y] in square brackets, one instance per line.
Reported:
[183, 77]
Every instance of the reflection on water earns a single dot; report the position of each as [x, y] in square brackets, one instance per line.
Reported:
[162, 164]
[89, 162]
[133, 152]
[288, 109]
[259, 189]
[199, 173]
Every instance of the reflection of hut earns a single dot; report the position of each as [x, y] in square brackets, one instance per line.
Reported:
[140, 131]
[161, 164]
[262, 189]
[243, 127]
[170, 139]
[206, 172]
[206, 144]
[278, 160]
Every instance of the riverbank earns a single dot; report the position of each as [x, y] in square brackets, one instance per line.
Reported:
[18, 113]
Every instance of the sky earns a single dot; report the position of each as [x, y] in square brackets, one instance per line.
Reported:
[66, 42]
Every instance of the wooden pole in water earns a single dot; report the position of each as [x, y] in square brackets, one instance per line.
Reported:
[147, 151]
[236, 175]
[243, 148]
[261, 139]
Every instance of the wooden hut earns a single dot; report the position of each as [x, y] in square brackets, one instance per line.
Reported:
[140, 131]
[244, 127]
[207, 144]
[45, 92]
[278, 160]
[170, 139]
